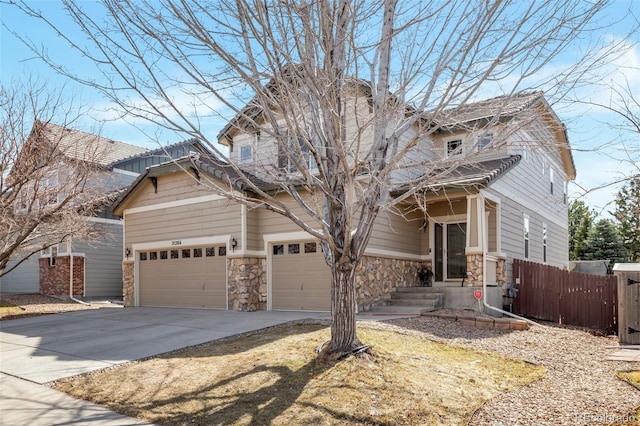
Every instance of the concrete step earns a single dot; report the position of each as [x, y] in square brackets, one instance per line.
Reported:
[407, 310]
[416, 295]
[428, 303]
[419, 290]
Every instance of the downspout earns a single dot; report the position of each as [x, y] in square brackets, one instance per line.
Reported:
[483, 220]
[71, 279]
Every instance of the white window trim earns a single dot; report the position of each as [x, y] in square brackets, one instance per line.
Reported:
[545, 233]
[243, 150]
[459, 152]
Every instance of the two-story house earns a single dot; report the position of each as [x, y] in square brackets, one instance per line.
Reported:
[94, 267]
[498, 192]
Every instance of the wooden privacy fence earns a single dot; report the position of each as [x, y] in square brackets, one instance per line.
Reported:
[552, 294]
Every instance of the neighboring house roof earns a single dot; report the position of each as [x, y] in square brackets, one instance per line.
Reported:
[167, 151]
[84, 146]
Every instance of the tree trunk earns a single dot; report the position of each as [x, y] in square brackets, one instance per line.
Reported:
[343, 307]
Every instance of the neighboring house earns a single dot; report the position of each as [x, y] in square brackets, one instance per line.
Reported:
[186, 246]
[96, 266]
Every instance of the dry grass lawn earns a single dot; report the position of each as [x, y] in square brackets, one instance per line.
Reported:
[275, 377]
[9, 310]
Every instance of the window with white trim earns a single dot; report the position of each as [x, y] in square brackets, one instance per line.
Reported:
[544, 242]
[551, 180]
[287, 160]
[53, 254]
[246, 153]
[526, 236]
[454, 148]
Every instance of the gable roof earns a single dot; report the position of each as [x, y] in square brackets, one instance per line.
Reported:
[208, 164]
[79, 145]
[167, 151]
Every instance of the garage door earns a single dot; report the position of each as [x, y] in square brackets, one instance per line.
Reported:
[300, 278]
[184, 277]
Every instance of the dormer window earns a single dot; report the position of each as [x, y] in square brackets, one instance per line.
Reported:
[454, 147]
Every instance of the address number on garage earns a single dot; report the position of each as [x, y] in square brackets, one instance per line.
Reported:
[176, 243]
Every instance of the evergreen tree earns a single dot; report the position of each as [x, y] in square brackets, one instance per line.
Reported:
[604, 243]
[627, 213]
[580, 223]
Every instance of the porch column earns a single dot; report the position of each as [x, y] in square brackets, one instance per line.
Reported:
[476, 240]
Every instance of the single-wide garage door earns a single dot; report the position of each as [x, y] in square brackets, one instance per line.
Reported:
[185, 277]
[300, 277]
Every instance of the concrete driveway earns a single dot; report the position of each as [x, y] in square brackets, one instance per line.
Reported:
[51, 347]
[46, 348]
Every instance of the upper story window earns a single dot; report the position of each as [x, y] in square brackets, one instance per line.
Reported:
[287, 160]
[551, 180]
[544, 242]
[484, 140]
[246, 153]
[454, 147]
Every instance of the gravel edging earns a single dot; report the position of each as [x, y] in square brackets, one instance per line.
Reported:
[579, 388]
[38, 304]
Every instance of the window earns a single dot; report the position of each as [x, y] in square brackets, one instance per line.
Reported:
[278, 249]
[143, 255]
[174, 254]
[484, 140]
[211, 251]
[544, 242]
[163, 254]
[245, 153]
[565, 191]
[310, 247]
[153, 255]
[551, 180]
[526, 236]
[186, 253]
[294, 248]
[287, 160]
[454, 147]
[222, 251]
[197, 252]
[54, 254]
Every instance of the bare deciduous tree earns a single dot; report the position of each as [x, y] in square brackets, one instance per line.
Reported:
[348, 91]
[44, 198]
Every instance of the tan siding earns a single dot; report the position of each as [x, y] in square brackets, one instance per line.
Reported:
[171, 187]
[190, 221]
[254, 238]
[395, 233]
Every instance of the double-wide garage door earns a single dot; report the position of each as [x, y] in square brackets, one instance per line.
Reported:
[301, 279]
[183, 277]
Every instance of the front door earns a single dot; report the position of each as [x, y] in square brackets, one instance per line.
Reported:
[450, 258]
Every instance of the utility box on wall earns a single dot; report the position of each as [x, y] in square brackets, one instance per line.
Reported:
[628, 275]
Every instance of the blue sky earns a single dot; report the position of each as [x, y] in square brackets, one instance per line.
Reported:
[598, 145]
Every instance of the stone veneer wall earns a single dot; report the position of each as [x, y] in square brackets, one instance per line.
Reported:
[247, 283]
[474, 270]
[377, 277]
[128, 283]
[54, 280]
[501, 273]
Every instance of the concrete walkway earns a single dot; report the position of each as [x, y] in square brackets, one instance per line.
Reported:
[42, 349]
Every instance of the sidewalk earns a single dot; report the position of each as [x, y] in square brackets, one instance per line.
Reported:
[27, 403]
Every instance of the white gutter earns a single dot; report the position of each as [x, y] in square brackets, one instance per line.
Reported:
[71, 279]
[483, 220]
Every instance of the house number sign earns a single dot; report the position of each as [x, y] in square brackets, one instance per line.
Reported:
[176, 243]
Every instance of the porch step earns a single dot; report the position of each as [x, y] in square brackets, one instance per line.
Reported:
[407, 310]
[412, 300]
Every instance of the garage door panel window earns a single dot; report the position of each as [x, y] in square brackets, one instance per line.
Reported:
[153, 255]
[163, 254]
[294, 248]
[222, 251]
[197, 252]
[310, 247]
[186, 253]
[174, 254]
[211, 251]
[278, 249]
[143, 255]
